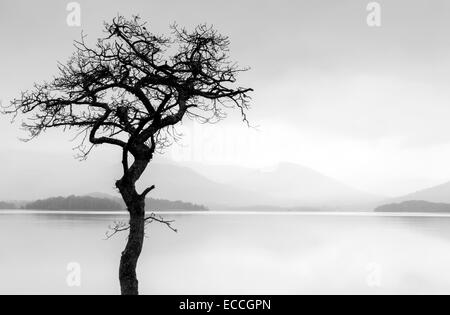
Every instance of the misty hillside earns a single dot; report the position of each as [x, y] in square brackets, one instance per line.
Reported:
[286, 185]
[294, 185]
[216, 187]
[289, 185]
[224, 174]
[61, 175]
[181, 183]
[415, 207]
[438, 194]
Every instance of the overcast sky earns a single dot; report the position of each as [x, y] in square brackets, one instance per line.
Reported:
[368, 106]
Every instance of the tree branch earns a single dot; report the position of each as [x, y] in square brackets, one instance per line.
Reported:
[147, 191]
[119, 227]
[133, 85]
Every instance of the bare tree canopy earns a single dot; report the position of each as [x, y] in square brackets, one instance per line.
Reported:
[130, 90]
[132, 86]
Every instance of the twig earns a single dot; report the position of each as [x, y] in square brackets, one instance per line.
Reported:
[154, 218]
[119, 227]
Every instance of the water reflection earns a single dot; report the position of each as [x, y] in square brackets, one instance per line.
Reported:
[230, 254]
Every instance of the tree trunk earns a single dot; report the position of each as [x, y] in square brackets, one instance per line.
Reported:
[127, 274]
[136, 207]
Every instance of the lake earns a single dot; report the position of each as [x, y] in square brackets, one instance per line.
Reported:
[228, 253]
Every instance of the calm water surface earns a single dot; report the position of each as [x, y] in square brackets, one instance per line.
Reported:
[230, 254]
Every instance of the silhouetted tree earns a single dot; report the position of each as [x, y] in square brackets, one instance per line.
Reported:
[130, 90]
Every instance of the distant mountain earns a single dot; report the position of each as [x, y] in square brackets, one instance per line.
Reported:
[175, 182]
[286, 186]
[33, 176]
[223, 174]
[414, 207]
[294, 185]
[439, 194]
[41, 175]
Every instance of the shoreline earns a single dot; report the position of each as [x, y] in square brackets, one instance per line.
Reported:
[237, 213]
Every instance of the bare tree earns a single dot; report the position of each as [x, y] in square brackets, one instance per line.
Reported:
[130, 90]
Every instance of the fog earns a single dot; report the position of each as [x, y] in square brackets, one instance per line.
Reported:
[366, 106]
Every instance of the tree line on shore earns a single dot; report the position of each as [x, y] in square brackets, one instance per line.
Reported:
[99, 204]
